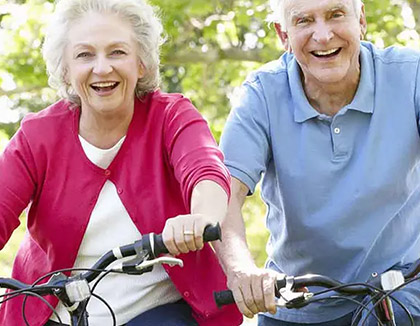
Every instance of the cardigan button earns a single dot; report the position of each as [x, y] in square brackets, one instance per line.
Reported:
[186, 294]
[207, 314]
[107, 173]
[120, 191]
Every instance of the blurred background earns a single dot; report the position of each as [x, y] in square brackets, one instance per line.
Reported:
[211, 46]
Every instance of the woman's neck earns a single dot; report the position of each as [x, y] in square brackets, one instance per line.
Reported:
[103, 131]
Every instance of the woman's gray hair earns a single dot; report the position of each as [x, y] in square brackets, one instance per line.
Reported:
[278, 14]
[147, 30]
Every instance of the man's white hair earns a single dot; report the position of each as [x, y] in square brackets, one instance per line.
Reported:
[278, 14]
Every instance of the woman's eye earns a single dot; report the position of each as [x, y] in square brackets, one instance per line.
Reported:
[118, 52]
[84, 55]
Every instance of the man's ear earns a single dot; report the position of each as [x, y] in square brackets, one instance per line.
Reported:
[283, 37]
[363, 23]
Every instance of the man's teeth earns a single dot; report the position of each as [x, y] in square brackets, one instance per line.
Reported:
[326, 52]
[105, 84]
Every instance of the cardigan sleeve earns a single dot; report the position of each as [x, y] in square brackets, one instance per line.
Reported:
[193, 153]
[17, 183]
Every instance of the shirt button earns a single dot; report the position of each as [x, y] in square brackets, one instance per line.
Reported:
[337, 130]
[107, 173]
[186, 294]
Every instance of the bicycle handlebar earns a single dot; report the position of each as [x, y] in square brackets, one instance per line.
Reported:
[150, 246]
[226, 297]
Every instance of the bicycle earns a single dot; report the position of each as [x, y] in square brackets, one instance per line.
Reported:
[380, 289]
[74, 291]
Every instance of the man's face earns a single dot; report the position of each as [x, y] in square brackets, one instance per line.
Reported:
[324, 36]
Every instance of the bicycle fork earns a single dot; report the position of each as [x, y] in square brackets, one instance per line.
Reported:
[79, 317]
[384, 311]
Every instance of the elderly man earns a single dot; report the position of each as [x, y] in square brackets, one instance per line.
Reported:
[333, 128]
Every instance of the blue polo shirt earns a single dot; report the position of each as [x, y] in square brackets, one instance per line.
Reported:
[342, 192]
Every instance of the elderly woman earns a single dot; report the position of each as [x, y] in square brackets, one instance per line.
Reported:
[113, 159]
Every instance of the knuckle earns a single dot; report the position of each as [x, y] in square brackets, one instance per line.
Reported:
[256, 280]
[183, 249]
[249, 302]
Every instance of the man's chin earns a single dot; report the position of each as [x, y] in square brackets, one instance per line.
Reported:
[332, 77]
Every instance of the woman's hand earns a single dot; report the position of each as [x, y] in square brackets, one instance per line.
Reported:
[184, 233]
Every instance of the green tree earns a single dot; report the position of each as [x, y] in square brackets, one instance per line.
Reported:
[211, 46]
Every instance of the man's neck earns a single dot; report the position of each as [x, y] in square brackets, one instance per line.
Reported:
[330, 98]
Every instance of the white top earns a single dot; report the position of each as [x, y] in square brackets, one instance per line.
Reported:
[110, 226]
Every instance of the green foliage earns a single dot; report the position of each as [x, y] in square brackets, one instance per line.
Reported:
[256, 232]
[3, 140]
[211, 46]
[7, 254]
[385, 22]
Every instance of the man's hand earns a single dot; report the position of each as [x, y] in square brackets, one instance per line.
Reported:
[252, 287]
[253, 290]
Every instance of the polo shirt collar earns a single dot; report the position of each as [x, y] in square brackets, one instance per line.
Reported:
[363, 100]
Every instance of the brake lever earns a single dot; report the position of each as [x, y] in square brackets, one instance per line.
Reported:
[143, 265]
[289, 298]
[171, 261]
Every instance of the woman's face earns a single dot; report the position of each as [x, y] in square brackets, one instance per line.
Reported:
[102, 64]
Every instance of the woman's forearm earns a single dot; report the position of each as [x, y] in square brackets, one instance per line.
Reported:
[210, 199]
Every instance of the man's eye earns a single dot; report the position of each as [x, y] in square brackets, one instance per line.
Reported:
[337, 14]
[301, 21]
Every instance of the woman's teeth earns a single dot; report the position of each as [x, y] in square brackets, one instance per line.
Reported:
[104, 86]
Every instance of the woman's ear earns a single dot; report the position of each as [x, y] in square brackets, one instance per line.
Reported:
[66, 78]
[141, 70]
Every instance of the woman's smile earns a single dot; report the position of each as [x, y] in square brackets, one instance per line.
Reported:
[104, 88]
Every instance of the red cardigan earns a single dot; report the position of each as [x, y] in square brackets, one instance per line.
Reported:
[167, 151]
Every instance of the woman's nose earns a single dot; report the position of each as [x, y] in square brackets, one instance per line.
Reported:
[102, 66]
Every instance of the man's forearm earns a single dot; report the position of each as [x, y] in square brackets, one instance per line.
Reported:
[233, 251]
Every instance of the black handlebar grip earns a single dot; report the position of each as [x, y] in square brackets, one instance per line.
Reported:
[211, 233]
[159, 247]
[223, 298]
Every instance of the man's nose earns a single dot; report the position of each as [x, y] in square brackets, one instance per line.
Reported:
[322, 32]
